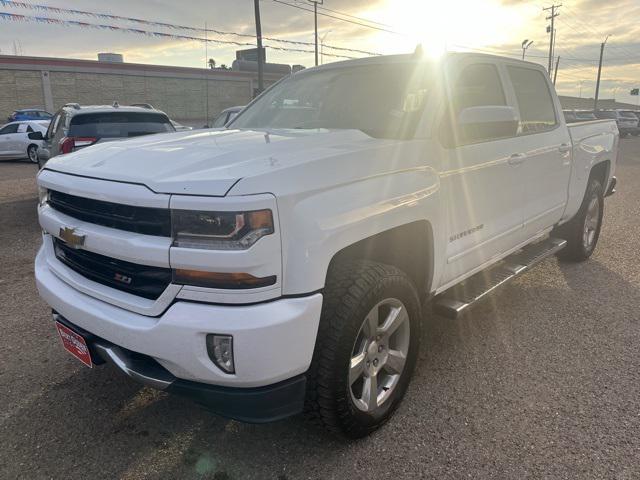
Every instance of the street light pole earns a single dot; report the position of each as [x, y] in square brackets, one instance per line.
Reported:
[322, 46]
[526, 43]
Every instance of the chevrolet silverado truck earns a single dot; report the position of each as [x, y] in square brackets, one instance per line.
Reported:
[286, 263]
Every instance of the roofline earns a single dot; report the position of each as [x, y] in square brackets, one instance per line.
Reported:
[410, 57]
[95, 66]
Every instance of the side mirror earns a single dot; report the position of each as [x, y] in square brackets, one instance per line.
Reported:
[487, 122]
[35, 136]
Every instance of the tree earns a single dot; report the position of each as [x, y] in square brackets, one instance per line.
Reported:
[212, 63]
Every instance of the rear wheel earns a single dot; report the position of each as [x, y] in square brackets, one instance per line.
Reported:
[32, 153]
[366, 349]
[582, 231]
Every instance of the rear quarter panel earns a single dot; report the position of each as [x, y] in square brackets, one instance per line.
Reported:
[593, 142]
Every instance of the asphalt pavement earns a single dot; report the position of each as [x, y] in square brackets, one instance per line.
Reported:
[540, 381]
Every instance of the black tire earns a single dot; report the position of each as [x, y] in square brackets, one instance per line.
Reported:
[578, 248]
[352, 290]
[32, 153]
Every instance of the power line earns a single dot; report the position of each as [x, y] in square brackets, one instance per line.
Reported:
[343, 19]
[149, 33]
[354, 17]
[154, 23]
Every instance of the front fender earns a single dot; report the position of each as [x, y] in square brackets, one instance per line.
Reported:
[318, 224]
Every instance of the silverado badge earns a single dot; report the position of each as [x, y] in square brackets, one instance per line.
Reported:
[71, 238]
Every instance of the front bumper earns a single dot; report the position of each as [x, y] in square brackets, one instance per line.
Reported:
[273, 341]
[253, 405]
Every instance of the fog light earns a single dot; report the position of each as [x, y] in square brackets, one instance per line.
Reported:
[220, 350]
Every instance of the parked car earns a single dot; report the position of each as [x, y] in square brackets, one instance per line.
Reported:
[226, 116]
[290, 260]
[29, 114]
[179, 127]
[75, 127]
[627, 124]
[573, 116]
[631, 116]
[17, 141]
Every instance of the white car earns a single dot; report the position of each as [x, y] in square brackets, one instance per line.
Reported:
[289, 259]
[225, 116]
[15, 141]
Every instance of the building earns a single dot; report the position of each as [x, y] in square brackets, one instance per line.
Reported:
[181, 92]
[111, 57]
[576, 103]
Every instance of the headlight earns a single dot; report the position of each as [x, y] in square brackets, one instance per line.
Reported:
[220, 230]
[43, 195]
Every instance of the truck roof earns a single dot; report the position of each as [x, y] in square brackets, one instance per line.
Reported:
[410, 57]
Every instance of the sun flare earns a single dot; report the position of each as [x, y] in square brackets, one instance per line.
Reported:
[448, 25]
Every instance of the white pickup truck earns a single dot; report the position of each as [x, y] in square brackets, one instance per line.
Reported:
[286, 263]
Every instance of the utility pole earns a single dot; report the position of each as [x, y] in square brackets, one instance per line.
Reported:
[315, 22]
[551, 31]
[581, 82]
[256, 4]
[595, 101]
[206, 75]
[555, 72]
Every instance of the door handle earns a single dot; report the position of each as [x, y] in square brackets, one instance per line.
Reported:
[564, 148]
[516, 159]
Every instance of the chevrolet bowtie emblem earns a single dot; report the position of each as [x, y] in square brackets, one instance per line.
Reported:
[71, 238]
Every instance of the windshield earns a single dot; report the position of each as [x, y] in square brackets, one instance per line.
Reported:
[384, 101]
[628, 115]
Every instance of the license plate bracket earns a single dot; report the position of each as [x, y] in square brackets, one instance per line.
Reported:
[75, 344]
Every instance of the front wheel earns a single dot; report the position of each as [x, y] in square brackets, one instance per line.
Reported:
[583, 230]
[32, 153]
[367, 345]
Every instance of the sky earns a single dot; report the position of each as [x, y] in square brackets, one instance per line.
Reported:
[491, 26]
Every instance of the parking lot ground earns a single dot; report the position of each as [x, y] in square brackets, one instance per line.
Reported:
[541, 380]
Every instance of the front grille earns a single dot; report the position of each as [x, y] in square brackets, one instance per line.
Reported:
[145, 220]
[142, 280]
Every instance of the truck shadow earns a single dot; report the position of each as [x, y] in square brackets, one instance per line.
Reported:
[511, 356]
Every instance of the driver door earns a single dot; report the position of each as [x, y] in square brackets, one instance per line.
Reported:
[481, 178]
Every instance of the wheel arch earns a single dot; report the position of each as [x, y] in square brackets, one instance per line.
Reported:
[600, 171]
[408, 247]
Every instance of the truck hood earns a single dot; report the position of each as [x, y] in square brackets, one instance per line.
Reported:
[209, 162]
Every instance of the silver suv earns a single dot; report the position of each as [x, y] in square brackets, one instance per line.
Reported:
[74, 127]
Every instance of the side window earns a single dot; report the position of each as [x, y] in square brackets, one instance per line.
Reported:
[13, 128]
[53, 126]
[53, 121]
[537, 112]
[29, 129]
[477, 85]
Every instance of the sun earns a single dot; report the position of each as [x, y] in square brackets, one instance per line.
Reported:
[448, 24]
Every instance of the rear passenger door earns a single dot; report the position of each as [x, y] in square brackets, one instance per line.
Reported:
[545, 144]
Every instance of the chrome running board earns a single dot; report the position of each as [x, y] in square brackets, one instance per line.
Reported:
[454, 301]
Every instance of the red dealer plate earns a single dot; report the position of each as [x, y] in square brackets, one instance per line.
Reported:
[74, 344]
